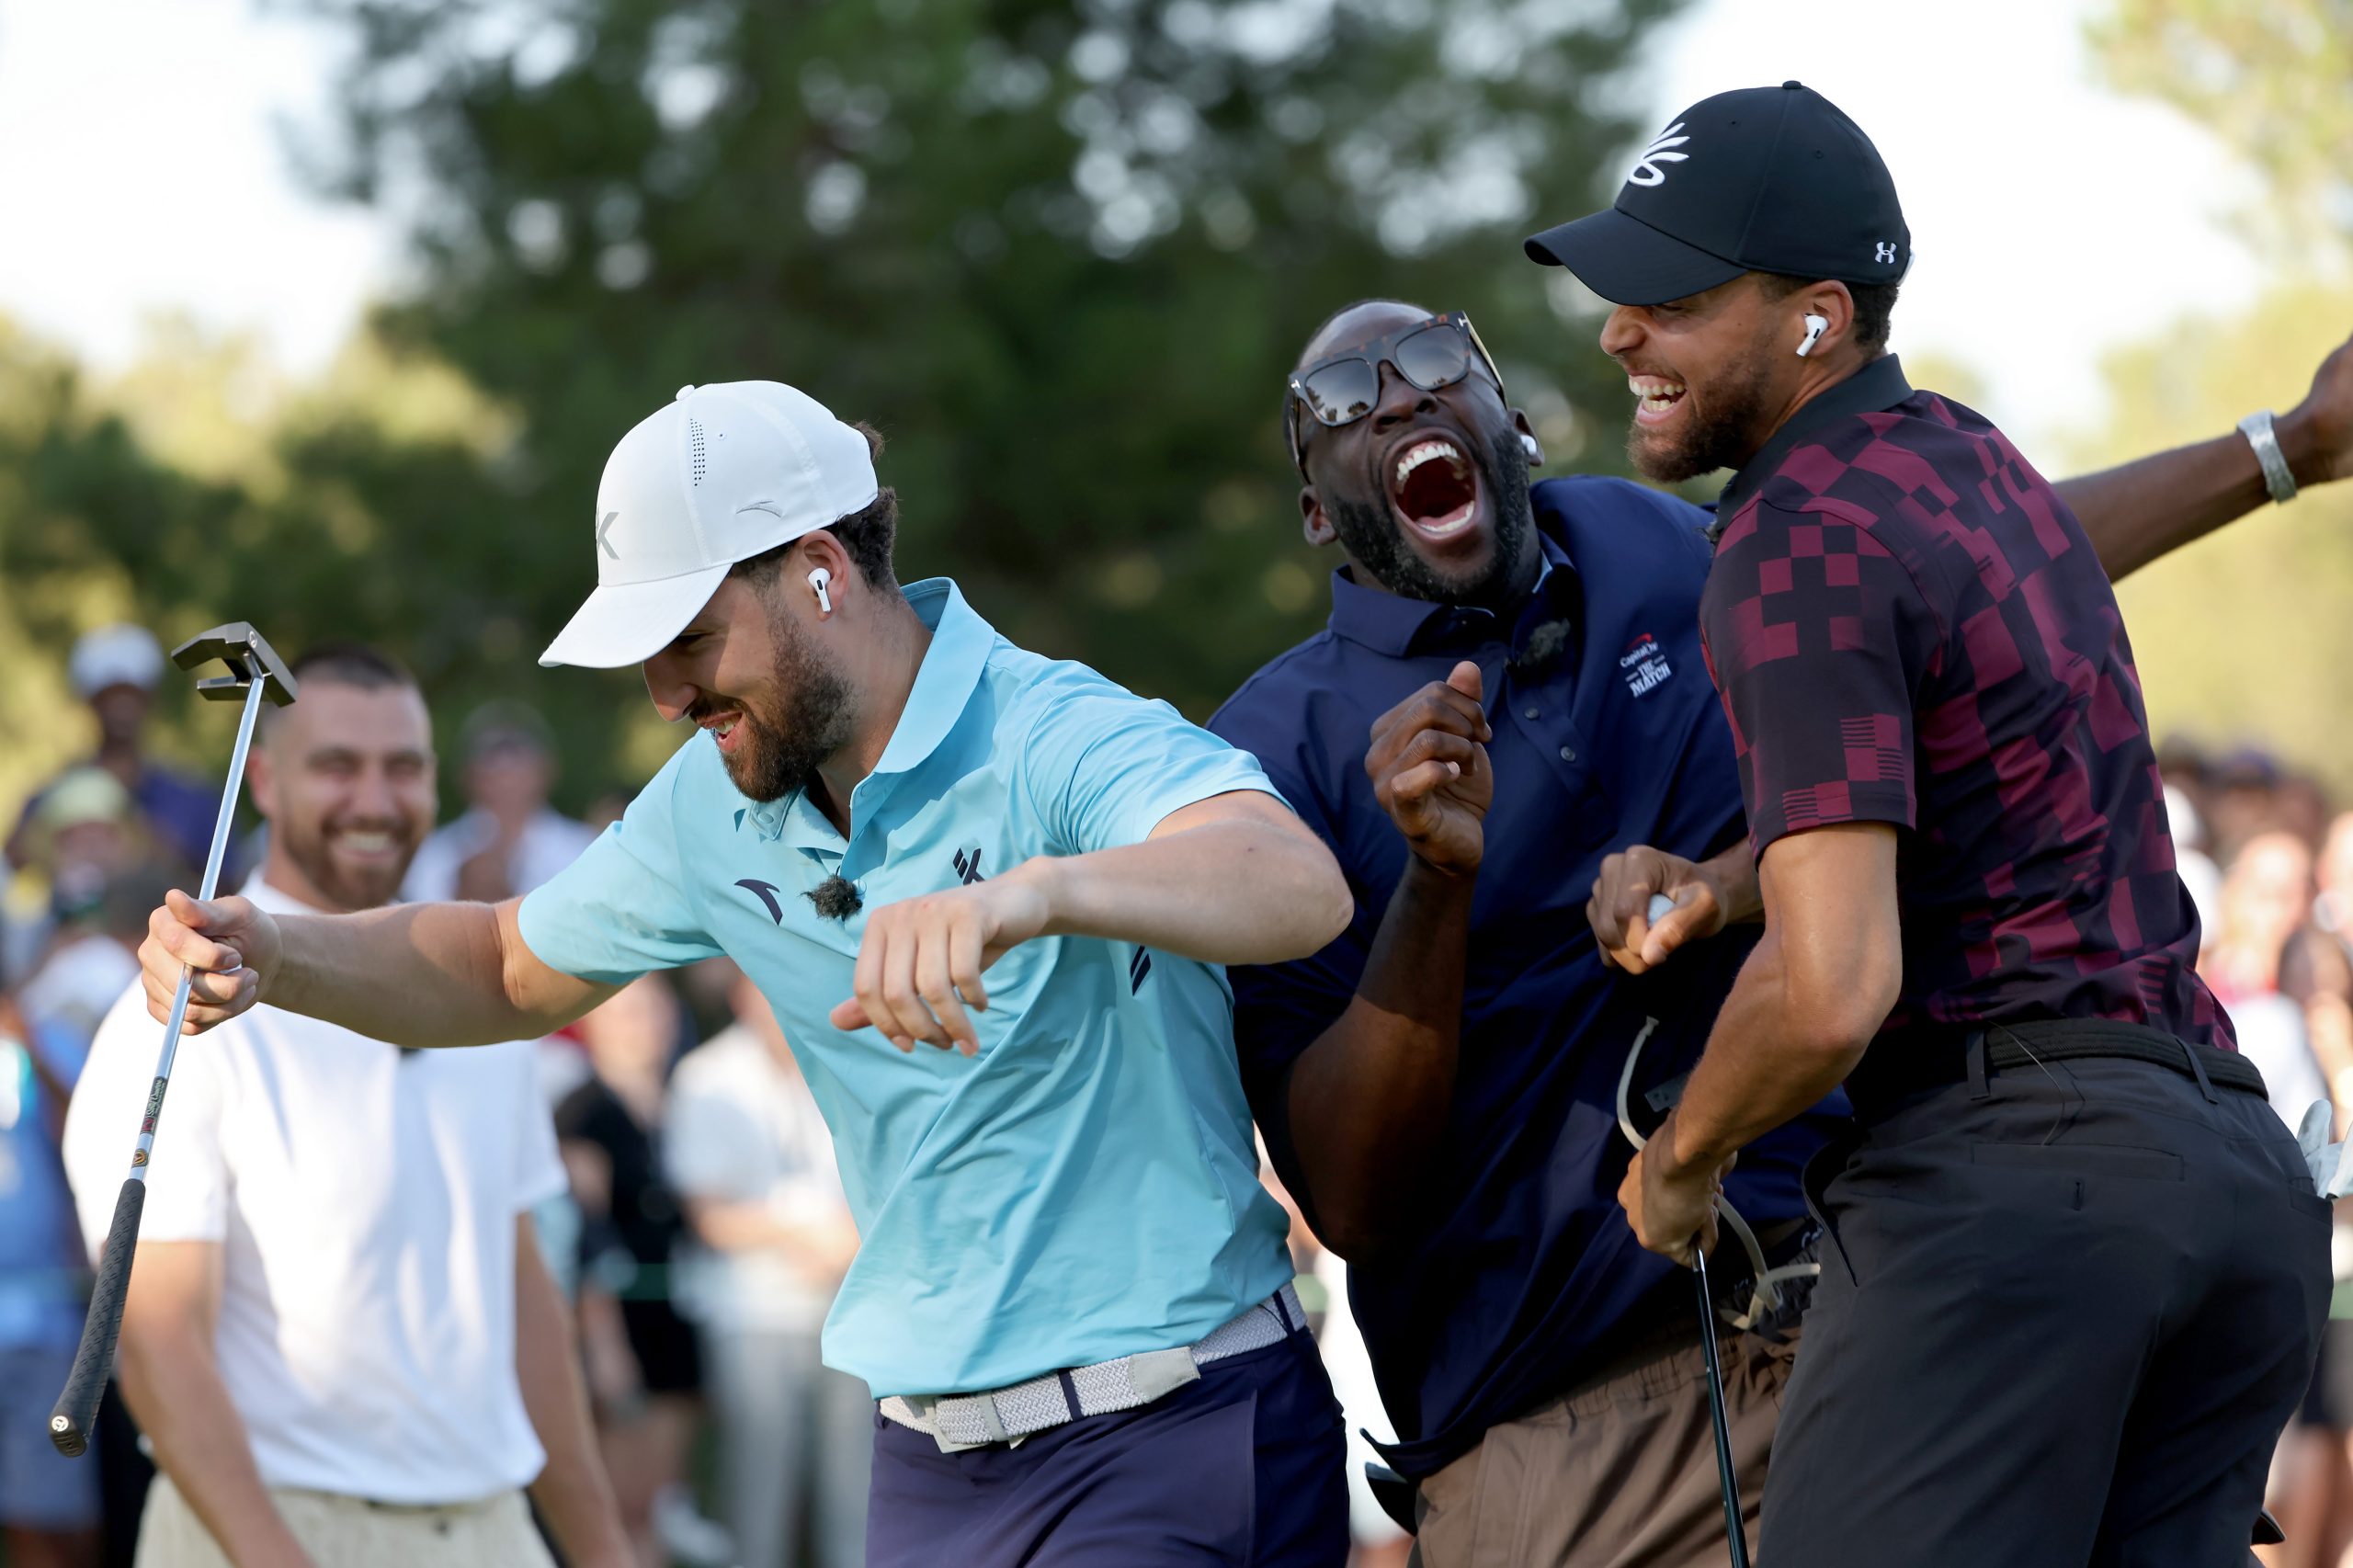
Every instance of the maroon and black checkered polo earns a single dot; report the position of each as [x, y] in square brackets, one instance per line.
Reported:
[1908, 626]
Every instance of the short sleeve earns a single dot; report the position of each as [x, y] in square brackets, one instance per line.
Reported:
[188, 1199]
[539, 1168]
[1817, 637]
[622, 908]
[1104, 767]
[713, 1145]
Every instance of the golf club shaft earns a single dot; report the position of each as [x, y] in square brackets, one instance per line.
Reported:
[77, 1407]
[1719, 1416]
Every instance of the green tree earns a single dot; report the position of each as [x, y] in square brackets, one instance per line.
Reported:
[2274, 78]
[1062, 254]
[2244, 637]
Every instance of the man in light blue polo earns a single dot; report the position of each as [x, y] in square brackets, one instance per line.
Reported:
[1072, 1300]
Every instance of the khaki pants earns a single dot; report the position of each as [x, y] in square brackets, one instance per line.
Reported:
[348, 1532]
[1619, 1472]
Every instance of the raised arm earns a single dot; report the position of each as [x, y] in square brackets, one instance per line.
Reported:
[1368, 1099]
[1233, 879]
[2141, 510]
[420, 975]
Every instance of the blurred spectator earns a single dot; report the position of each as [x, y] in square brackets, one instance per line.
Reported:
[753, 1161]
[82, 838]
[2333, 908]
[2266, 894]
[510, 840]
[114, 669]
[339, 1338]
[48, 1504]
[2198, 871]
[2242, 801]
[2300, 806]
[644, 1365]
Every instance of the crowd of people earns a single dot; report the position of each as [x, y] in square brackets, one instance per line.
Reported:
[678, 1183]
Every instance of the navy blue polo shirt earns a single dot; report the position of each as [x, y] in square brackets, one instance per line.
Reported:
[1607, 734]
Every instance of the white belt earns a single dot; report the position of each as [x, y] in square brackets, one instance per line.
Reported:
[960, 1421]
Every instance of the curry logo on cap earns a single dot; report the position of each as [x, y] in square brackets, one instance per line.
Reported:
[1646, 169]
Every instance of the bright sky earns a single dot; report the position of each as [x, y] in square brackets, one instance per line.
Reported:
[141, 170]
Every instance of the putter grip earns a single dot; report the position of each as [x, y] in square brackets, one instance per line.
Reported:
[77, 1407]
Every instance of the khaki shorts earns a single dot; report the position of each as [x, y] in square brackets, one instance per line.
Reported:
[1619, 1472]
[348, 1532]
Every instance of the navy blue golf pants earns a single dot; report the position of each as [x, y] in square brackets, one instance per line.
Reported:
[1242, 1467]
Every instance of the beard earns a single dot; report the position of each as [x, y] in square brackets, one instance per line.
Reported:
[780, 749]
[1724, 436]
[1375, 540]
[345, 887]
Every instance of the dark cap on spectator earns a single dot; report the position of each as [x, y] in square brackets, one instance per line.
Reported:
[1764, 179]
[499, 726]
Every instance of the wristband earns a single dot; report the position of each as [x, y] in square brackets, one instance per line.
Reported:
[2276, 479]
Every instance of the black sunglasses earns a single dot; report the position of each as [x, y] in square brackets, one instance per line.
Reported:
[1342, 389]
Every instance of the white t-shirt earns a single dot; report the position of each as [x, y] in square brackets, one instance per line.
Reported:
[365, 1205]
[740, 1128]
[548, 843]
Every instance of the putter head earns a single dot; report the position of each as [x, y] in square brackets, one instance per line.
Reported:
[249, 656]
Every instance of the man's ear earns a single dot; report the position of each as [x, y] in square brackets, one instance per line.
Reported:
[261, 779]
[1831, 301]
[1311, 520]
[821, 547]
[1528, 441]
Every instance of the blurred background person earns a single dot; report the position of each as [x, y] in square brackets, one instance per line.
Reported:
[644, 1363]
[752, 1162]
[2266, 895]
[510, 840]
[48, 1504]
[114, 670]
[340, 1338]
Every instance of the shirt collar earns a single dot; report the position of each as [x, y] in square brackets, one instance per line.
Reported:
[960, 642]
[1876, 386]
[1393, 625]
[276, 901]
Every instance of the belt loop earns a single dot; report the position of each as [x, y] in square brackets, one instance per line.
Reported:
[1283, 1310]
[2197, 1071]
[1974, 1048]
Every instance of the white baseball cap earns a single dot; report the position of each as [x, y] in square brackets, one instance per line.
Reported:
[114, 655]
[720, 474]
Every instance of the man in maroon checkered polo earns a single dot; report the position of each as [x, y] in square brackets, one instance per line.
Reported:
[2074, 1269]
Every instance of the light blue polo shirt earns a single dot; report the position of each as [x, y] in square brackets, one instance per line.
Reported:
[1087, 1187]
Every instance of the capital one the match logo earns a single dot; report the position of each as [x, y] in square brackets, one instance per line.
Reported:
[1646, 167]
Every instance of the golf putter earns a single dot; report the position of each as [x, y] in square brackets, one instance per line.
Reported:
[255, 672]
[1733, 1531]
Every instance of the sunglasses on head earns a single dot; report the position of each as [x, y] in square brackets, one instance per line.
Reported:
[1342, 389]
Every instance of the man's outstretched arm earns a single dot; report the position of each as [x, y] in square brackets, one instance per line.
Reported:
[2141, 510]
[419, 974]
[1233, 879]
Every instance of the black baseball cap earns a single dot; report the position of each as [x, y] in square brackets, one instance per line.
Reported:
[1763, 179]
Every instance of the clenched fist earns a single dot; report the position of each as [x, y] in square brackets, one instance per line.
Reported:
[230, 944]
[1429, 771]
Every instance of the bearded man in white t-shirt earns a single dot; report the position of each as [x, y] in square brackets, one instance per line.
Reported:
[341, 1338]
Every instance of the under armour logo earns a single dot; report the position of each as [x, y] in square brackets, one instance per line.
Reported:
[968, 865]
[1646, 167]
[766, 892]
[1883, 252]
[601, 528]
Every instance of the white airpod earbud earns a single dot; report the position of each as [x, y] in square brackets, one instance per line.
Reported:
[1815, 327]
[819, 581]
[1527, 444]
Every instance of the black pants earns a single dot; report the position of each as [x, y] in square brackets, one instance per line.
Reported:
[2061, 1324]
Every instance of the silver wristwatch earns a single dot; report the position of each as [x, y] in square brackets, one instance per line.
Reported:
[2257, 428]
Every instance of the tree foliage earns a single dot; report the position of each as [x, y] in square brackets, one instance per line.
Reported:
[2274, 78]
[1062, 254]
